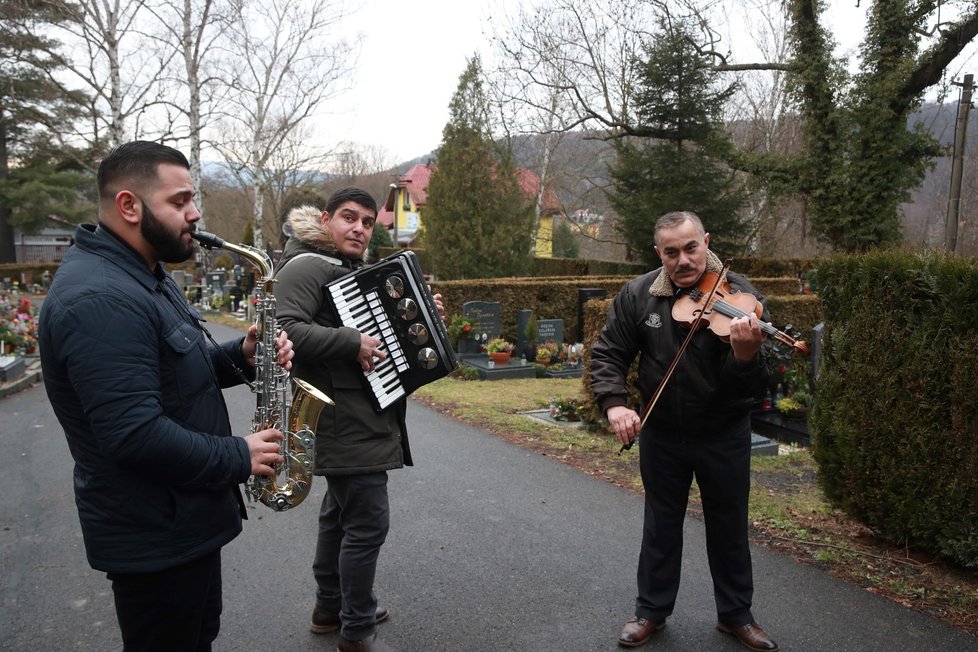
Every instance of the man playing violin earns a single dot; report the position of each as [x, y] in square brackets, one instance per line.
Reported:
[699, 427]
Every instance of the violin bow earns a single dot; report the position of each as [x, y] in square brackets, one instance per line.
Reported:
[647, 410]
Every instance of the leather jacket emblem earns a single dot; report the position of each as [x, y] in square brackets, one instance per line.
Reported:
[654, 320]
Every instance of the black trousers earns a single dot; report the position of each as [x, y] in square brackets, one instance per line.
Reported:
[721, 466]
[353, 524]
[173, 610]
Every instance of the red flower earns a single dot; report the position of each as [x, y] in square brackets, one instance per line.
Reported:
[466, 328]
[781, 368]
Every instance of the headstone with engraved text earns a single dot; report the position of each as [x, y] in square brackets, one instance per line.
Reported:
[550, 329]
[485, 318]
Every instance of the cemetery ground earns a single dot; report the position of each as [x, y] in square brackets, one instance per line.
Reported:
[788, 511]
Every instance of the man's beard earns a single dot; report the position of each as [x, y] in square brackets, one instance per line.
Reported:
[169, 248]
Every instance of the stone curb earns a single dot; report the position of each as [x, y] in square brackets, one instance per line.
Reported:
[31, 376]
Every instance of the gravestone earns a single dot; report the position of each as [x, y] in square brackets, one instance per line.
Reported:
[583, 296]
[522, 344]
[816, 350]
[485, 318]
[182, 279]
[11, 368]
[215, 281]
[550, 329]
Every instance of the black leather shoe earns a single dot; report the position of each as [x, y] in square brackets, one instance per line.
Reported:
[751, 637]
[324, 622]
[637, 631]
[372, 643]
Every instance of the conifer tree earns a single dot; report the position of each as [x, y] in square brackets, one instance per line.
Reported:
[477, 220]
[681, 101]
[37, 178]
[564, 244]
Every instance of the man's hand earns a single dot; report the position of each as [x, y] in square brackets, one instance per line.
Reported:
[369, 354]
[438, 305]
[264, 449]
[625, 422]
[283, 351]
[283, 348]
[250, 344]
[745, 337]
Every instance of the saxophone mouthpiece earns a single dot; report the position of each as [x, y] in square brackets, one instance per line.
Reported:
[207, 240]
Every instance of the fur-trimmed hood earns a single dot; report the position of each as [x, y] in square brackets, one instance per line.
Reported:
[305, 225]
[662, 285]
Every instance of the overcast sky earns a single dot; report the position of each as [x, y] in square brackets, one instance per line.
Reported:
[423, 46]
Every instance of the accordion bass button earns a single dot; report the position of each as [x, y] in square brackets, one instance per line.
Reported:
[394, 286]
[427, 358]
[407, 309]
[418, 334]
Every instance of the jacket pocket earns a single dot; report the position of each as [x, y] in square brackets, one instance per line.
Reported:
[185, 368]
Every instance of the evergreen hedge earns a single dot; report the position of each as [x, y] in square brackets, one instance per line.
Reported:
[797, 268]
[895, 420]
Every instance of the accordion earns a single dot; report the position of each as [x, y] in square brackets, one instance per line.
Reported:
[390, 301]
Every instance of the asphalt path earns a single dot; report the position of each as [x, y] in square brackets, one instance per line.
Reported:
[492, 548]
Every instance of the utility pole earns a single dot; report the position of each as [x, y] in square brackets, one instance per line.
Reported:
[957, 164]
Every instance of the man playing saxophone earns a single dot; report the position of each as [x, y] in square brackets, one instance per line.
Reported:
[136, 383]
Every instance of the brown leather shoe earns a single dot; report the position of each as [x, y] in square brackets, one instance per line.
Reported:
[637, 631]
[372, 643]
[324, 622]
[751, 636]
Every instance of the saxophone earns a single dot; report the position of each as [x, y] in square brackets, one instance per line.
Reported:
[295, 413]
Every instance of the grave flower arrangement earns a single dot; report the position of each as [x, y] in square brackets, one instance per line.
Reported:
[548, 352]
[459, 328]
[790, 390]
[566, 409]
[499, 345]
[18, 325]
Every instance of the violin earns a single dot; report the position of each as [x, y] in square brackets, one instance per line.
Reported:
[715, 311]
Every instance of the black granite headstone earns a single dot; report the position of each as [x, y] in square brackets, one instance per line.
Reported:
[485, 317]
[522, 344]
[816, 349]
[583, 296]
[550, 329]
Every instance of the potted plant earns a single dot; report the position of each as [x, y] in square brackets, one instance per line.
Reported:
[794, 406]
[499, 350]
[547, 352]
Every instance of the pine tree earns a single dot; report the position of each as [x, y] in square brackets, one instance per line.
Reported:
[477, 220]
[679, 99]
[37, 178]
[565, 246]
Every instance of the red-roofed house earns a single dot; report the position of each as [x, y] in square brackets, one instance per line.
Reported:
[402, 212]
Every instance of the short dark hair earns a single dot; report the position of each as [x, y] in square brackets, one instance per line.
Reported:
[135, 161]
[356, 195]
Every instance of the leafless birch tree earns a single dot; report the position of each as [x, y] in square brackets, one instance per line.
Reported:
[114, 65]
[284, 62]
[192, 29]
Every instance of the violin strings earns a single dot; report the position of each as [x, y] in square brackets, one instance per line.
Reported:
[733, 311]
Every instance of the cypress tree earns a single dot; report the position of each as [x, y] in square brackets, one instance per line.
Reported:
[477, 220]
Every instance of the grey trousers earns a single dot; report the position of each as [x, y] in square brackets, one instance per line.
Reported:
[353, 524]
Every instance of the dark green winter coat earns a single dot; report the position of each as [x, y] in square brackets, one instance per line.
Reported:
[351, 436]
